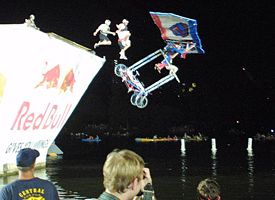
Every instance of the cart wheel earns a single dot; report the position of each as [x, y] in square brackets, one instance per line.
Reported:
[119, 68]
[141, 101]
[133, 99]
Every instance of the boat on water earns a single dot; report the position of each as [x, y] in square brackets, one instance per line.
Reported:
[194, 138]
[42, 78]
[91, 140]
[156, 139]
[264, 137]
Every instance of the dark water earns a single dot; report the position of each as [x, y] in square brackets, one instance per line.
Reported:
[241, 174]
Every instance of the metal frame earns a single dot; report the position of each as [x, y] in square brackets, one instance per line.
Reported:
[139, 98]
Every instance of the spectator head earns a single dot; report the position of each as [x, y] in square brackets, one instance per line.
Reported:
[107, 22]
[208, 189]
[125, 22]
[32, 17]
[25, 158]
[123, 171]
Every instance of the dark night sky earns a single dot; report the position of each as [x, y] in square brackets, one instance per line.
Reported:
[234, 34]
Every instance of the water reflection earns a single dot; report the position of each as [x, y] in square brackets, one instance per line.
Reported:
[250, 170]
[65, 194]
[52, 172]
[214, 163]
[183, 169]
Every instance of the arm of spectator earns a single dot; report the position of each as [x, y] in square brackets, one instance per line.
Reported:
[148, 190]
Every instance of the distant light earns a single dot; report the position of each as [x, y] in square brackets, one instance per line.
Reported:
[243, 69]
[237, 121]
[267, 98]
[272, 130]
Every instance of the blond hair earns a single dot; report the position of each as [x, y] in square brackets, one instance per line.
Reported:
[209, 189]
[120, 169]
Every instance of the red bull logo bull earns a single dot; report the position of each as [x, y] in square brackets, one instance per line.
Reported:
[52, 76]
[68, 82]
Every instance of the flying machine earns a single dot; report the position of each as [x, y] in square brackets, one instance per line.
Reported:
[181, 38]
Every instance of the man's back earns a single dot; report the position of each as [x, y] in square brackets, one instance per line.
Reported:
[34, 188]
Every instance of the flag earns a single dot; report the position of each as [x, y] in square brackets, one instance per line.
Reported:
[177, 28]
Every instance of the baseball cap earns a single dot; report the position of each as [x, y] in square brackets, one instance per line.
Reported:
[26, 157]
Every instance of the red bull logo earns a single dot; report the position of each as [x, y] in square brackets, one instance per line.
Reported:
[51, 117]
[68, 82]
[52, 77]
